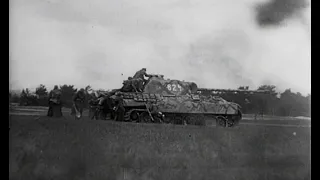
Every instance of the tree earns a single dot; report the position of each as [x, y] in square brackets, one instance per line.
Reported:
[243, 88]
[14, 97]
[67, 92]
[270, 88]
[28, 98]
[287, 102]
[294, 104]
[41, 91]
[42, 94]
[23, 98]
[242, 99]
[27, 91]
[267, 103]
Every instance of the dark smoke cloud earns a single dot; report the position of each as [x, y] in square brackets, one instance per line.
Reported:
[275, 12]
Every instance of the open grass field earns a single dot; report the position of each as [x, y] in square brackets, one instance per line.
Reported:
[65, 149]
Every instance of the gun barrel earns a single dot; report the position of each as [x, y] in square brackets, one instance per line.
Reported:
[234, 91]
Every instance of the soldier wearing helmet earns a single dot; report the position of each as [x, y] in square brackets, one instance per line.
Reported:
[128, 85]
[78, 103]
[141, 73]
[119, 107]
[55, 108]
[139, 78]
[94, 104]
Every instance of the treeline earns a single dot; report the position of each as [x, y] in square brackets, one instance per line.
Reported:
[40, 96]
[285, 103]
[274, 103]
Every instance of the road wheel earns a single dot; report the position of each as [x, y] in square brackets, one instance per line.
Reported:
[132, 115]
[221, 121]
[145, 117]
[230, 122]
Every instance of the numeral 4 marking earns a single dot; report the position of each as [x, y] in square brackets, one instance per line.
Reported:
[174, 87]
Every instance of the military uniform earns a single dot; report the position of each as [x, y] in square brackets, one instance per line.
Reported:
[119, 107]
[93, 103]
[138, 79]
[108, 105]
[102, 106]
[55, 108]
[127, 86]
[78, 102]
[158, 116]
[138, 84]
[140, 74]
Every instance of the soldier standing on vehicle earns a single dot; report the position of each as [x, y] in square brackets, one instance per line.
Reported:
[139, 78]
[141, 73]
[55, 108]
[78, 103]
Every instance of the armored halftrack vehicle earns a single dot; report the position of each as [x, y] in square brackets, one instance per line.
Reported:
[175, 101]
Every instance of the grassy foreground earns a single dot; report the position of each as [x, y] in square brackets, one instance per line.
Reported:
[63, 149]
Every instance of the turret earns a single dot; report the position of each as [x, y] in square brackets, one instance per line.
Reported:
[158, 85]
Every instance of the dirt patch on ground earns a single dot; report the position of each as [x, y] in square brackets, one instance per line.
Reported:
[44, 148]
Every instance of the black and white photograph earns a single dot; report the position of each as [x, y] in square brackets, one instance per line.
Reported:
[160, 90]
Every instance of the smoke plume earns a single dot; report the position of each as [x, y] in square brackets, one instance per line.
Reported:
[214, 43]
[276, 12]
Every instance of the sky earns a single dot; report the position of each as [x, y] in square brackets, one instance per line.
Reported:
[216, 44]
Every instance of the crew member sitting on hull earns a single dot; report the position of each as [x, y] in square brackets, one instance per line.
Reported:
[139, 79]
[129, 85]
[78, 103]
[55, 108]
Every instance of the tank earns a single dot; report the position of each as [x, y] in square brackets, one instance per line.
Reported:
[177, 102]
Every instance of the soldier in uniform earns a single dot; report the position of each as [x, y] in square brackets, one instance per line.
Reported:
[128, 85]
[141, 73]
[119, 107]
[103, 105]
[78, 103]
[139, 79]
[158, 117]
[55, 108]
[93, 103]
